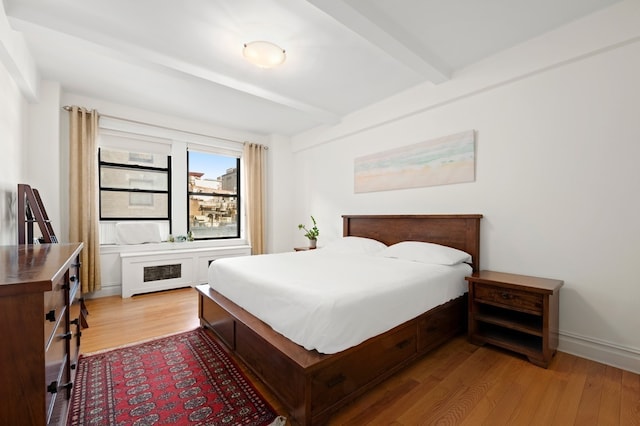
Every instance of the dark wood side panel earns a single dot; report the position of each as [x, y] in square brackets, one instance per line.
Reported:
[284, 376]
[218, 320]
[554, 308]
[27, 401]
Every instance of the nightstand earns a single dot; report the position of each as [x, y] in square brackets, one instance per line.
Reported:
[515, 312]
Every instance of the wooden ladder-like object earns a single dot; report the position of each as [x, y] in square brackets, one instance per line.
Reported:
[30, 211]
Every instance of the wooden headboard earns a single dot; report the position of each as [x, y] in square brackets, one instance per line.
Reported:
[458, 231]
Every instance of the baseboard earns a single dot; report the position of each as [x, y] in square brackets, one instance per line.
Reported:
[600, 351]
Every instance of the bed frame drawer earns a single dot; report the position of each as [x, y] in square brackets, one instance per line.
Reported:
[350, 374]
[444, 321]
[516, 299]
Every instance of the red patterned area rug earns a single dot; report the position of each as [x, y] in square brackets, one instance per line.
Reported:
[185, 379]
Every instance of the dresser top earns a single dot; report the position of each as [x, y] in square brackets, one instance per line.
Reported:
[34, 267]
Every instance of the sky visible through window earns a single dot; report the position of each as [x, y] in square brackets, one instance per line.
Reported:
[212, 165]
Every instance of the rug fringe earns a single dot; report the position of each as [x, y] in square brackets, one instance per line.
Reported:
[279, 421]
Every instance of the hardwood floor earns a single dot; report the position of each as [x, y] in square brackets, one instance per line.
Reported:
[114, 321]
[458, 384]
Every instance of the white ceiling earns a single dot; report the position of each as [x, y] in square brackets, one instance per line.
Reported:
[184, 57]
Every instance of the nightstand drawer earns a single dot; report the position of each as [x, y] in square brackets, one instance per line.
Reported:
[522, 300]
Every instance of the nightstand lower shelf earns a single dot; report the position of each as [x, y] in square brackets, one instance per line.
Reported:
[519, 321]
[523, 343]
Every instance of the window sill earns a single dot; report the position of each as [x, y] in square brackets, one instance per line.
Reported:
[176, 246]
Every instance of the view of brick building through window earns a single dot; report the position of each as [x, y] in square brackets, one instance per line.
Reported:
[133, 185]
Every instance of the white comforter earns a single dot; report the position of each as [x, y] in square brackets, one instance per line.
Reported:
[331, 302]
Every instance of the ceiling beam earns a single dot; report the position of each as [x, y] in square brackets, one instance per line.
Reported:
[16, 58]
[369, 23]
[117, 49]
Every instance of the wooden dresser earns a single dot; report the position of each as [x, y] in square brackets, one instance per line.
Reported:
[41, 319]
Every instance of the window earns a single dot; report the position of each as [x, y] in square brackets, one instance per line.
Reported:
[134, 185]
[184, 182]
[213, 184]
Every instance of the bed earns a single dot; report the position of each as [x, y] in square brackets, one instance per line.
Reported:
[313, 385]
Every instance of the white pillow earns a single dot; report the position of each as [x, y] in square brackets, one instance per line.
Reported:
[137, 232]
[354, 245]
[426, 253]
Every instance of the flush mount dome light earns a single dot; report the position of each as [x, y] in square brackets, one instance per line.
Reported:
[263, 54]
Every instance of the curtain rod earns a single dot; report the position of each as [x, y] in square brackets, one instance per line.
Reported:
[68, 108]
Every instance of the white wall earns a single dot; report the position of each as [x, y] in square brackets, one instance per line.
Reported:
[556, 170]
[279, 221]
[12, 141]
[43, 155]
[18, 84]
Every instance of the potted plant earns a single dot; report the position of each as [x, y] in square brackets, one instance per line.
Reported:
[311, 234]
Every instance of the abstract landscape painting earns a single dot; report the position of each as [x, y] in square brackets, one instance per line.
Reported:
[441, 161]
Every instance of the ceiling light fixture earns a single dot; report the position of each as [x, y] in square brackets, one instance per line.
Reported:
[264, 54]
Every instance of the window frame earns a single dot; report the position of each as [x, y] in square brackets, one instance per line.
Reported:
[101, 188]
[129, 135]
[237, 195]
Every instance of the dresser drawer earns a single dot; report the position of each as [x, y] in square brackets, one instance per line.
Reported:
[511, 298]
[54, 305]
[59, 407]
[55, 358]
[75, 329]
[74, 272]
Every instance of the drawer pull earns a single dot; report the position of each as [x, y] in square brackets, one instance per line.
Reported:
[51, 315]
[336, 380]
[507, 296]
[403, 344]
[53, 387]
[67, 336]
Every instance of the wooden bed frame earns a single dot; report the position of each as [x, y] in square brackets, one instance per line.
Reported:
[312, 385]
